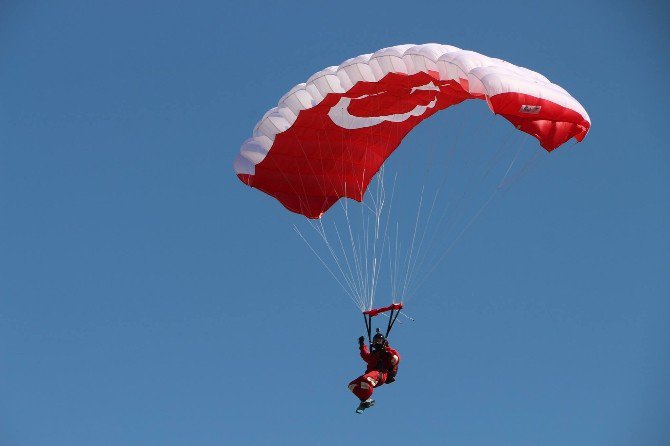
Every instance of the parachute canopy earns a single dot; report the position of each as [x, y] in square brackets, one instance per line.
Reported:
[329, 136]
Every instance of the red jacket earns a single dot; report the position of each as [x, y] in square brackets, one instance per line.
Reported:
[385, 361]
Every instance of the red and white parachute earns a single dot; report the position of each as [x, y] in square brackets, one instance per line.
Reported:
[328, 137]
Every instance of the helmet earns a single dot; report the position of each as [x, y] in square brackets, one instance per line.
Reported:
[379, 341]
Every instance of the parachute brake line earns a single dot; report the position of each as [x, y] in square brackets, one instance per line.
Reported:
[369, 314]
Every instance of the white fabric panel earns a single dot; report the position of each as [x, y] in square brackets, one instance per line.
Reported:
[345, 80]
[271, 124]
[287, 114]
[390, 60]
[469, 60]
[260, 124]
[253, 151]
[409, 63]
[396, 50]
[449, 69]
[298, 99]
[357, 69]
[243, 165]
[263, 141]
[431, 51]
[314, 93]
[524, 72]
[326, 81]
[384, 65]
[425, 57]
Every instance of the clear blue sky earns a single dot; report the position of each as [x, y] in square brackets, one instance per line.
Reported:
[148, 298]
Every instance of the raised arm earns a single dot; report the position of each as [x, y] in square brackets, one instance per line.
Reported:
[365, 353]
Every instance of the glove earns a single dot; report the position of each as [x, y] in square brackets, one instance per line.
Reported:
[361, 341]
[390, 378]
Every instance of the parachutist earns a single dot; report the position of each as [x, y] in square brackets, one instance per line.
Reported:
[382, 367]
